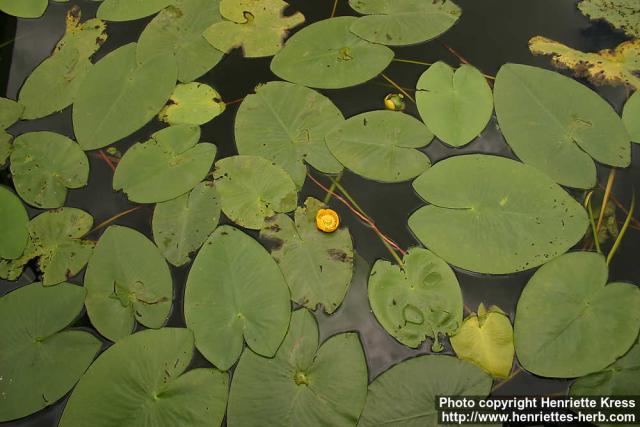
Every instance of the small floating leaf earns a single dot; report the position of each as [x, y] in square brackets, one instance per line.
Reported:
[235, 292]
[166, 166]
[128, 10]
[308, 385]
[10, 112]
[127, 280]
[621, 14]
[5, 147]
[141, 381]
[328, 55]
[13, 225]
[455, 105]
[39, 361]
[192, 104]
[494, 215]
[317, 266]
[24, 8]
[631, 116]
[380, 145]
[569, 324]
[418, 300]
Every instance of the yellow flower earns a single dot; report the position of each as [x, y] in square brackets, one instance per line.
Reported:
[394, 102]
[327, 220]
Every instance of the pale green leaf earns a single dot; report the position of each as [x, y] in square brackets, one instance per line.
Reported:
[13, 225]
[192, 104]
[621, 14]
[10, 112]
[24, 8]
[631, 116]
[128, 10]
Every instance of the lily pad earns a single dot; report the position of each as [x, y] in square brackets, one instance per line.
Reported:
[259, 26]
[53, 85]
[44, 165]
[127, 280]
[494, 215]
[486, 339]
[235, 292]
[247, 197]
[316, 265]
[308, 384]
[128, 10]
[192, 104]
[569, 324]
[167, 166]
[455, 105]
[403, 22]
[621, 14]
[39, 360]
[13, 225]
[24, 8]
[182, 225]
[380, 145]
[5, 147]
[631, 116]
[406, 394]
[141, 381]
[328, 55]
[10, 112]
[119, 95]
[419, 299]
[558, 125]
[287, 123]
[180, 27]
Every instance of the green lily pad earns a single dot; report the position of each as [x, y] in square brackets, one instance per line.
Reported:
[308, 384]
[24, 8]
[558, 125]
[53, 85]
[287, 123]
[5, 147]
[247, 197]
[182, 225]
[10, 112]
[235, 292]
[328, 55]
[13, 225]
[621, 14]
[486, 339]
[192, 104]
[422, 299]
[380, 145]
[569, 324]
[494, 215]
[119, 95]
[259, 26]
[141, 381]
[403, 22]
[39, 361]
[631, 117]
[406, 394]
[129, 10]
[44, 165]
[316, 265]
[455, 104]
[127, 280]
[180, 27]
[167, 166]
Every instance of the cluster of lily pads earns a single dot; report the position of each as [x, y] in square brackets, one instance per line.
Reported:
[483, 213]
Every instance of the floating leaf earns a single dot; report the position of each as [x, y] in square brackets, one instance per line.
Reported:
[13, 225]
[24, 8]
[5, 147]
[44, 165]
[287, 123]
[167, 166]
[259, 26]
[192, 104]
[420, 299]
[127, 280]
[406, 394]
[631, 116]
[609, 66]
[569, 324]
[141, 381]
[181, 225]
[328, 55]
[119, 95]
[494, 215]
[455, 105]
[10, 112]
[558, 125]
[128, 10]
[180, 27]
[235, 292]
[308, 385]
[247, 197]
[403, 22]
[39, 362]
[317, 266]
[621, 14]
[380, 145]
[486, 339]
[53, 85]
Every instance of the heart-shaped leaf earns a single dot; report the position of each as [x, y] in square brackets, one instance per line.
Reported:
[631, 117]
[192, 104]
[13, 225]
[10, 112]
[128, 10]
[24, 8]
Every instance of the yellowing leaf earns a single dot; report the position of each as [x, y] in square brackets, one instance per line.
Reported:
[621, 14]
[486, 339]
[609, 66]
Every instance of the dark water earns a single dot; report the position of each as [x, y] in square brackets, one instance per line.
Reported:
[490, 33]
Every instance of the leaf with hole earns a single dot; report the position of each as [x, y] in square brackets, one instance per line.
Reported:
[129, 10]
[14, 223]
[631, 116]
[192, 104]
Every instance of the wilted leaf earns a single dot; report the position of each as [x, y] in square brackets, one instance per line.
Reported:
[24, 8]
[13, 225]
[621, 14]
[10, 112]
[128, 10]
[631, 116]
[192, 104]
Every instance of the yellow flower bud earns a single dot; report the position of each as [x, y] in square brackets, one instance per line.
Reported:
[394, 102]
[327, 220]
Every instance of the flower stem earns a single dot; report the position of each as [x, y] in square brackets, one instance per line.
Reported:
[624, 229]
[397, 86]
[334, 182]
[605, 199]
[587, 204]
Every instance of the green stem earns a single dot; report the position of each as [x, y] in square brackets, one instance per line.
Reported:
[624, 229]
[334, 183]
[411, 61]
[596, 240]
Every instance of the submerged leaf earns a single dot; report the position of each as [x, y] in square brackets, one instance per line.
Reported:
[192, 104]
[128, 10]
[13, 225]
[631, 116]
[10, 112]
[621, 14]
[24, 8]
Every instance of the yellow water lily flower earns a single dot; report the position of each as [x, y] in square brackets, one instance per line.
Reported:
[394, 102]
[327, 220]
